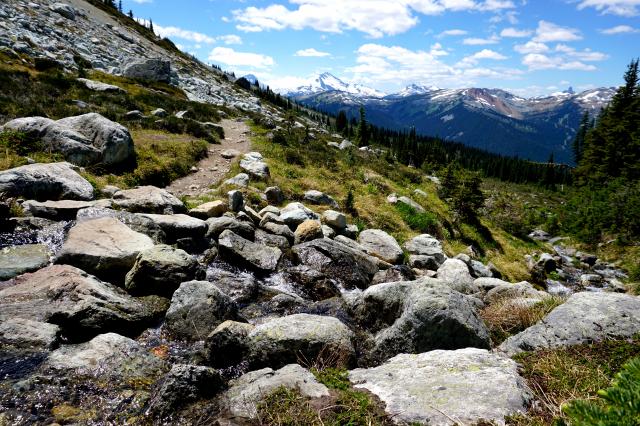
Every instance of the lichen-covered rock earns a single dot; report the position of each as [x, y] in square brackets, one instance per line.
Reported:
[16, 260]
[104, 247]
[253, 164]
[178, 226]
[246, 392]
[248, 253]
[418, 316]
[456, 273]
[81, 305]
[283, 340]
[160, 270]
[197, 308]
[378, 243]
[52, 181]
[217, 225]
[468, 385]
[334, 219]
[148, 199]
[585, 317]
[317, 197]
[154, 69]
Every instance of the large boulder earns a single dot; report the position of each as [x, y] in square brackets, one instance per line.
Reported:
[197, 308]
[284, 340]
[381, 245]
[52, 181]
[418, 316]
[134, 221]
[210, 209]
[241, 287]
[148, 199]
[178, 226]
[426, 245]
[317, 197]
[160, 270]
[154, 69]
[246, 392]
[104, 247]
[227, 344]
[109, 356]
[250, 254]
[351, 267]
[334, 219]
[469, 385]
[60, 210]
[217, 225]
[83, 140]
[16, 260]
[456, 273]
[296, 213]
[585, 317]
[81, 305]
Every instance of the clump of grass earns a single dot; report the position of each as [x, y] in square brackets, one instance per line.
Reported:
[426, 222]
[561, 376]
[509, 316]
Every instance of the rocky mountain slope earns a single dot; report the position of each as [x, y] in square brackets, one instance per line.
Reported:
[262, 297]
[489, 119]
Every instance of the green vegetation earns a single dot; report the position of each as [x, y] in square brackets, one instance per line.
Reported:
[561, 376]
[424, 223]
[345, 406]
[619, 405]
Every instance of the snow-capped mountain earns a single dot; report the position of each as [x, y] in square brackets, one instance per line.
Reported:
[327, 82]
[491, 119]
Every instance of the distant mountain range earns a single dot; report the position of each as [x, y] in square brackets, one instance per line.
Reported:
[491, 119]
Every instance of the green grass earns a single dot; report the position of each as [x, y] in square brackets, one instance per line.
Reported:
[562, 376]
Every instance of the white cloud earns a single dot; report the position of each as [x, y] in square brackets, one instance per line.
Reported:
[472, 60]
[196, 37]
[620, 29]
[375, 18]
[531, 47]
[587, 55]
[230, 39]
[548, 31]
[515, 33]
[454, 32]
[231, 57]
[475, 41]
[438, 50]
[311, 52]
[538, 61]
[614, 7]
[142, 1]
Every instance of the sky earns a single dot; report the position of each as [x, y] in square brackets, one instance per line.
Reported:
[529, 47]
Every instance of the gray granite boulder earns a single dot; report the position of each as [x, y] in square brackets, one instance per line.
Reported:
[51, 181]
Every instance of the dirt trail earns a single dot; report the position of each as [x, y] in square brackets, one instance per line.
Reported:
[213, 168]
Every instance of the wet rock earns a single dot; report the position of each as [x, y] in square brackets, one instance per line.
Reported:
[317, 197]
[149, 69]
[60, 210]
[352, 267]
[246, 392]
[218, 225]
[381, 245]
[81, 305]
[52, 181]
[178, 226]
[211, 209]
[227, 345]
[585, 317]
[183, 384]
[241, 287]
[283, 340]
[253, 255]
[107, 356]
[311, 284]
[394, 274]
[418, 316]
[17, 260]
[307, 231]
[148, 199]
[23, 333]
[197, 308]
[591, 280]
[160, 270]
[134, 221]
[456, 273]
[468, 385]
[104, 247]
[267, 239]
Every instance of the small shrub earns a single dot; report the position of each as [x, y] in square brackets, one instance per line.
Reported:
[292, 156]
[19, 142]
[280, 138]
[349, 203]
[46, 64]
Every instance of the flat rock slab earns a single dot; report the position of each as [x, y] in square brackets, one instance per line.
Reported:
[104, 247]
[17, 260]
[62, 209]
[148, 199]
[446, 387]
[246, 392]
[585, 317]
[52, 181]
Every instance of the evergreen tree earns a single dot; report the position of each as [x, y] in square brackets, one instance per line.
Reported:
[151, 26]
[469, 199]
[341, 122]
[581, 134]
[362, 131]
[448, 182]
[130, 13]
[120, 6]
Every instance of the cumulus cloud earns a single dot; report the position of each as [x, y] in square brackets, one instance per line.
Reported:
[311, 52]
[375, 18]
[231, 57]
[472, 60]
[476, 41]
[531, 47]
[194, 36]
[538, 61]
[453, 32]
[614, 7]
[548, 31]
[586, 55]
[514, 33]
[620, 29]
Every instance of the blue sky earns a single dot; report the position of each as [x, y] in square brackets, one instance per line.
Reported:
[530, 47]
